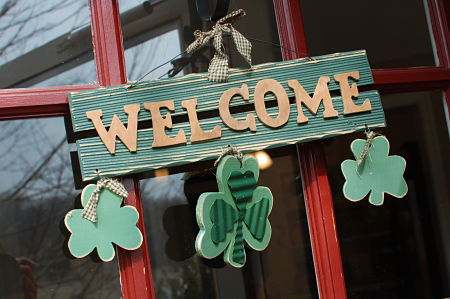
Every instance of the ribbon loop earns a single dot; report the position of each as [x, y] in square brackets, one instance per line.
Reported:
[218, 67]
[90, 210]
[232, 17]
[243, 46]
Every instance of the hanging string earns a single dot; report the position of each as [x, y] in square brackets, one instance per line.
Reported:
[282, 47]
[370, 136]
[184, 52]
[154, 69]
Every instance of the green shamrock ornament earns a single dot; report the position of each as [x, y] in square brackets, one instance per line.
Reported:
[376, 172]
[114, 224]
[237, 213]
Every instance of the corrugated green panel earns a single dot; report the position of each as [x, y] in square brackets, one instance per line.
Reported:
[112, 99]
[93, 154]
[223, 216]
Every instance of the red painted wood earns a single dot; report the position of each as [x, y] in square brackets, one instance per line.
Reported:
[36, 102]
[107, 42]
[135, 271]
[322, 225]
[440, 24]
[410, 75]
[409, 79]
[318, 198]
[290, 28]
[135, 265]
[52, 101]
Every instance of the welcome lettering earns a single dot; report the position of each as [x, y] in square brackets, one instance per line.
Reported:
[321, 96]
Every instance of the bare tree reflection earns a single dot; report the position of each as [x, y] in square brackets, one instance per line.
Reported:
[32, 207]
[37, 188]
[27, 23]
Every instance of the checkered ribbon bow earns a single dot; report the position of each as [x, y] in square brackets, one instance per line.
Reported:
[90, 210]
[218, 67]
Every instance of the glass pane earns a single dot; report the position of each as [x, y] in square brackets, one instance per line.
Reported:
[170, 225]
[150, 54]
[156, 33]
[125, 5]
[81, 74]
[284, 270]
[41, 39]
[394, 33]
[37, 191]
[402, 248]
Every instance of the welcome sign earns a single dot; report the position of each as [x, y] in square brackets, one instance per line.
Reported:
[170, 122]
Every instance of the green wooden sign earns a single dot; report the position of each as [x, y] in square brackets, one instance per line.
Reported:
[192, 119]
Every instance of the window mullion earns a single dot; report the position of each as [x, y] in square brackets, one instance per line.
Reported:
[317, 192]
[135, 271]
[439, 11]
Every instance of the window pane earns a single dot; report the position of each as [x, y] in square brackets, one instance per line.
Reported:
[81, 74]
[41, 39]
[284, 270]
[36, 192]
[155, 34]
[402, 248]
[170, 225]
[150, 54]
[394, 33]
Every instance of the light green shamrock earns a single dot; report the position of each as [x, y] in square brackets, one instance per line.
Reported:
[238, 212]
[115, 224]
[379, 173]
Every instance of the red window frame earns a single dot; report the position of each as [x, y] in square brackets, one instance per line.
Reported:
[318, 196]
[135, 270]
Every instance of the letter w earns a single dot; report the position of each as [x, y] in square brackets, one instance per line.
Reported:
[128, 135]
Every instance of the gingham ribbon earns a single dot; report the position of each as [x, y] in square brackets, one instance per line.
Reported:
[218, 67]
[90, 210]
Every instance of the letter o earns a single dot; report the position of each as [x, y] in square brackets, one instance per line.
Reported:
[273, 86]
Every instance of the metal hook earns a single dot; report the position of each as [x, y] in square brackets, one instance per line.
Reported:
[97, 174]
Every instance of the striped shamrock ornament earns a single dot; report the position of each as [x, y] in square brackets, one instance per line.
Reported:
[237, 213]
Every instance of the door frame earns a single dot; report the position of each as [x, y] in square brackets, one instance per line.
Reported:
[135, 271]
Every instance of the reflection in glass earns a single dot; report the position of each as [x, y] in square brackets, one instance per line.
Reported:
[41, 39]
[146, 56]
[402, 248]
[171, 227]
[394, 33]
[36, 192]
[283, 270]
[81, 74]
[27, 25]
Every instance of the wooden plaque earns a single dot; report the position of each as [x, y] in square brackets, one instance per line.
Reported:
[271, 105]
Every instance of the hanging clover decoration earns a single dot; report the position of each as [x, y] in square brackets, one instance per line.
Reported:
[373, 171]
[237, 213]
[102, 222]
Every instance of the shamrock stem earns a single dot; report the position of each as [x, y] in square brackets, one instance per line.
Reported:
[238, 248]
